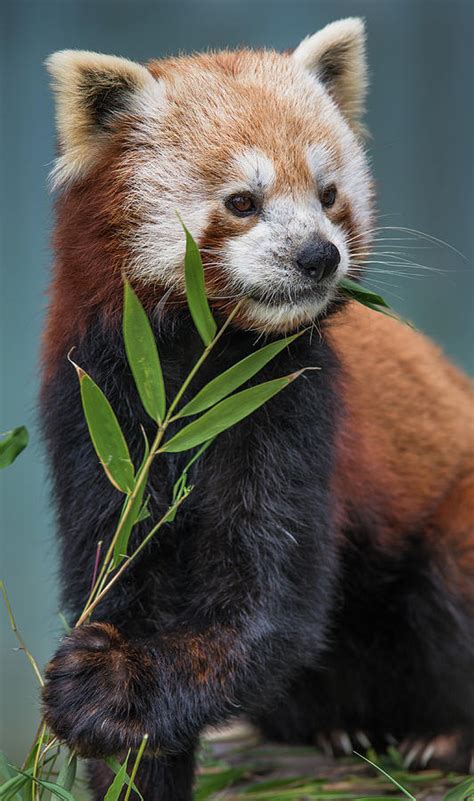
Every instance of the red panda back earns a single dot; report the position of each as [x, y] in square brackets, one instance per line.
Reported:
[408, 431]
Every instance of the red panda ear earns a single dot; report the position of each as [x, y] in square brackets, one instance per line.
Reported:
[336, 56]
[92, 93]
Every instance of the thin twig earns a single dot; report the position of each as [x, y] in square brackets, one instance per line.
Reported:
[34, 788]
[23, 646]
[88, 611]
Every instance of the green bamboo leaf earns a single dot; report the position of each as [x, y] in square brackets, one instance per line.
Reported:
[389, 313]
[67, 774]
[234, 377]
[142, 355]
[106, 434]
[226, 414]
[55, 789]
[196, 290]
[370, 299]
[6, 772]
[118, 783]
[13, 785]
[135, 514]
[12, 444]
[462, 792]
[363, 295]
[60, 792]
[114, 765]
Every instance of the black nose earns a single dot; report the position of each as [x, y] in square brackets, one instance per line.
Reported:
[318, 259]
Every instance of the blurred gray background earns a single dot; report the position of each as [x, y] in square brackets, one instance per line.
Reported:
[421, 117]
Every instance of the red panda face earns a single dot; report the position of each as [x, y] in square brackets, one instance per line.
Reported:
[258, 152]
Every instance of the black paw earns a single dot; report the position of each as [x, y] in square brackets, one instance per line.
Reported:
[97, 692]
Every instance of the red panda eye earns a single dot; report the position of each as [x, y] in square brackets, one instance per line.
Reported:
[328, 196]
[241, 205]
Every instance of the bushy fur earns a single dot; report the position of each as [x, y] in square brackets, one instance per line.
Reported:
[319, 577]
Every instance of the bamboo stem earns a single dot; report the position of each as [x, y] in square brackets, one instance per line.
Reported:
[23, 646]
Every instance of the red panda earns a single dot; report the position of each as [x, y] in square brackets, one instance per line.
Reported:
[319, 579]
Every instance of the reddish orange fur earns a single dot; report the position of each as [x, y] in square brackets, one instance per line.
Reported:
[407, 445]
[263, 116]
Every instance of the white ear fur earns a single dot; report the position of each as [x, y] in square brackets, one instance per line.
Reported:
[92, 91]
[336, 56]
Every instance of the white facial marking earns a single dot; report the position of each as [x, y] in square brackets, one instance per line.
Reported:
[256, 168]
[252, 171]
[161, 189]
[320, 157]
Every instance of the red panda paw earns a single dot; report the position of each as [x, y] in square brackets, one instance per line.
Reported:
[90, 695]
[453, 752]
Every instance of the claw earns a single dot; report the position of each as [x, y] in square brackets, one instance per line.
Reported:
[447, 751]
[325, 745]
[363, 740]
[345, 742]
[412, 754]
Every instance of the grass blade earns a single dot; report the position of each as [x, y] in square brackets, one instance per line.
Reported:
[387, 775]
[18, 635]
[462, 792]
[142, 355]
[106, 434]
[234, 377]
[226, 414]
[196, 290]
[12, 444]
[64, 623]
[213, 782]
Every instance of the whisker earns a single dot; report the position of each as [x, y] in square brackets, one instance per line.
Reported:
[413, 232]
[386, 287]
[398, 273]
[412, 264]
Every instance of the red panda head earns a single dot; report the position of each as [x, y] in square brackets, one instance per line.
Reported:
[260, 153]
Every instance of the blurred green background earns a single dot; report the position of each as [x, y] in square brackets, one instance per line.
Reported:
[421, 117]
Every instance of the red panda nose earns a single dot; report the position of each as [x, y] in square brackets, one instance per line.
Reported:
[318, 259]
